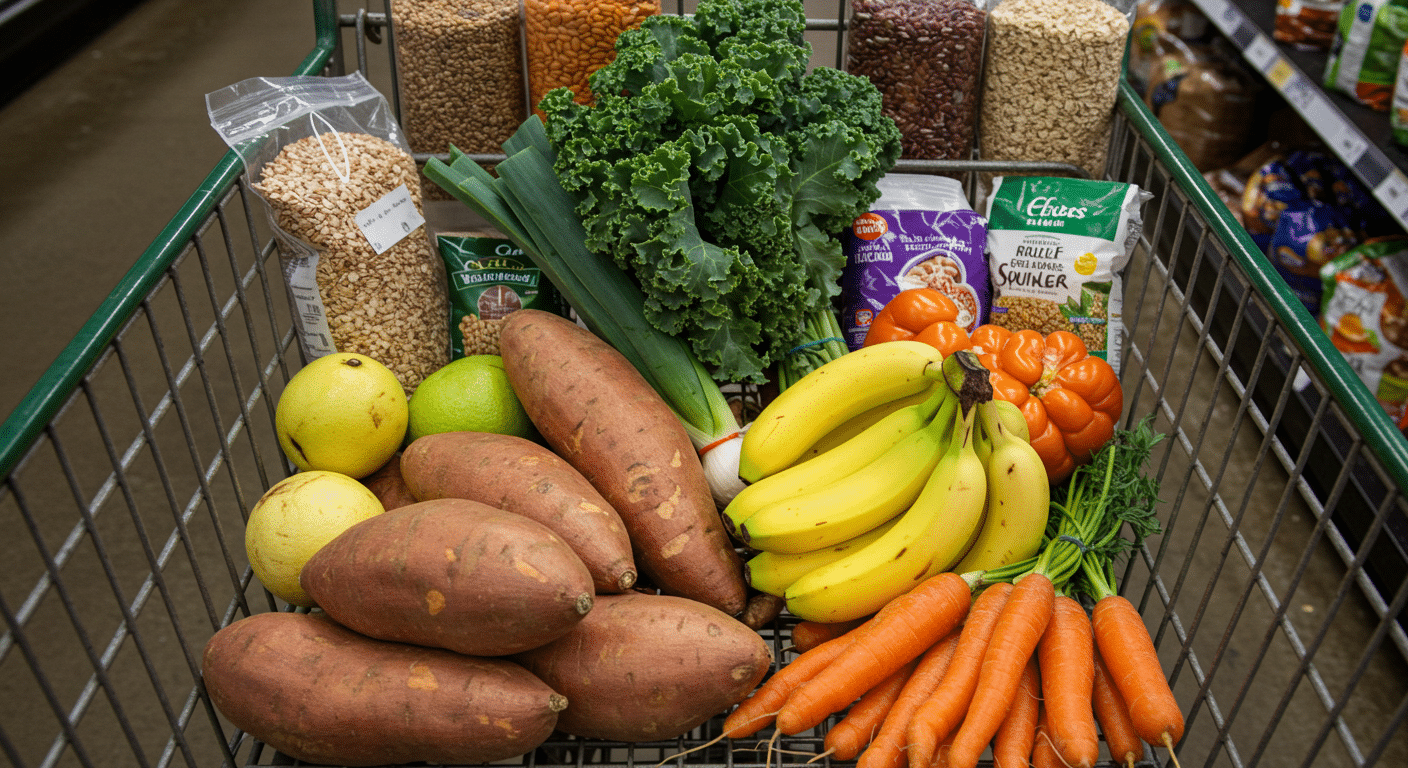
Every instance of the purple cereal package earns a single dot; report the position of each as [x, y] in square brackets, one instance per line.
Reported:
[921, 233]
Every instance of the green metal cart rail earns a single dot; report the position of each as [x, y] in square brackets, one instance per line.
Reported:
[1275, 593]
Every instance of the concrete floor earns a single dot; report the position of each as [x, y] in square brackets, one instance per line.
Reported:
[95, 159]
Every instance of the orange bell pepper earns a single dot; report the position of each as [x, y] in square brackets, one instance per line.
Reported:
[919, 314]
[1070, 398]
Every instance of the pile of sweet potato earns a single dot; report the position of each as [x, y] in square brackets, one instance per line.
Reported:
[510, 589]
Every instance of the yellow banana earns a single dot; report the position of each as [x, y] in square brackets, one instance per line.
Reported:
[842, 460]
[857, 424]
[1013, 419]
[829, 396]
[830, 513]
[927, 539]
[1019, 499]
[773, 572]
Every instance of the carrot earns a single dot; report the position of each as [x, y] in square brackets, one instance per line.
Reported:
[1066, 654]
[1014, 639]
[1113, 715]
[1012, 746]
[847, 738]
[807, 635]
[1134, 667]
[1043, 753]
[905, 628]
[937, 717]
[760, 709]
[941, 754]
[886, 750]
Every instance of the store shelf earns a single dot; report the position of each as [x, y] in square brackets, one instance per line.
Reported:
[1360, 136]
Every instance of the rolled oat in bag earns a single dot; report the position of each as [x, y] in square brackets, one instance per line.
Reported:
[1056, 248]
[328, 159]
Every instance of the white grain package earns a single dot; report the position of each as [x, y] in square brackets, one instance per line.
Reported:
[342, 193]
[1056, 250]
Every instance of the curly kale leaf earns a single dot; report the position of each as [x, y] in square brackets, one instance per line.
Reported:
[718, 172]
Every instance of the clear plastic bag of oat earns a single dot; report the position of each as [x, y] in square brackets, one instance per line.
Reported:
[340, 186]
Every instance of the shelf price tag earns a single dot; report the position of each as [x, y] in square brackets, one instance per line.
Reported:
[1280, 74]
[1393, 193]
[1344, 140]
[1221, 13]
[1262, 53]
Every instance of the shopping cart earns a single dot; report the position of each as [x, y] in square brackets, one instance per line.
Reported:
[1275, 594]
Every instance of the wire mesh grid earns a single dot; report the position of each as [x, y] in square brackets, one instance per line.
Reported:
[1274, 607]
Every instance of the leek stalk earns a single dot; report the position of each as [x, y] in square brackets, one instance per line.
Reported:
[528, 204]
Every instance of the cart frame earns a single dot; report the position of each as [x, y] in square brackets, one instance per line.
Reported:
[1279, 576]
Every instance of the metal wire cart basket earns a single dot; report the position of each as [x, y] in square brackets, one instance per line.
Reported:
[1274, 595]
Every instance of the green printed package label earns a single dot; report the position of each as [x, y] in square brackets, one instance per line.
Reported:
[490, 278]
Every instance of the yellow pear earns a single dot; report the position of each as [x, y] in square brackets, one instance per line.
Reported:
[294, 519]
[344, 413]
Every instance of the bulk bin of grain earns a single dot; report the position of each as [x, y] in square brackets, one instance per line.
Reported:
[1050, 81]
[925, 57]
[342, 193]
[459, 68]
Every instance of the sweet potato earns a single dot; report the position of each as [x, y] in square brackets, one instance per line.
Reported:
[454, 574]
[388, 485]
[596, 411]
[321, 693]
[649, 667]
[520, 476]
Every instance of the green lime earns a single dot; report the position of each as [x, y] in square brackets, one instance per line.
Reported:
[471, 394]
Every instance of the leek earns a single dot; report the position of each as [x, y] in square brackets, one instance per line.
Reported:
[529, 205]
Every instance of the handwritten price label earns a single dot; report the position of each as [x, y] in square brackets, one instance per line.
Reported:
[387, 221]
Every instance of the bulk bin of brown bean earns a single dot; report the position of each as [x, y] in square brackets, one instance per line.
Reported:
[925, 57]
[1051, 79]
[460, 75]
[568, 40]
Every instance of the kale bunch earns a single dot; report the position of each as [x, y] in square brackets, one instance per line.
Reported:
[718, 171]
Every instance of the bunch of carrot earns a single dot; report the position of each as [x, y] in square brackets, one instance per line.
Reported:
[1008, 659]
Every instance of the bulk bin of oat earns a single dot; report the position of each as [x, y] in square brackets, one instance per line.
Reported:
[343, 197]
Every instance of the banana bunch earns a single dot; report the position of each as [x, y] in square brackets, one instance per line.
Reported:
[878, 470]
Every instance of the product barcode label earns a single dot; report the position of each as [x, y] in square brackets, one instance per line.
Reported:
[387, 221]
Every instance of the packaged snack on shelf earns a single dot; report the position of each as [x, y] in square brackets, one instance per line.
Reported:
[459, 74]
[925, 57]
[920, 233]
[1366, 319]
[343, 195]
[1202, 95]
[489, 279]
[1304, 210]
[1158, 26]
[1363, 60]
[1307, 23]
[567, 40]
[1050, 81]
[1056, 251]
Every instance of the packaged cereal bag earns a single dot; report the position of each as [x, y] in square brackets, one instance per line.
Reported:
[1056, 248]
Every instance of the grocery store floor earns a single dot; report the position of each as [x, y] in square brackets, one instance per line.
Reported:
[95, 158]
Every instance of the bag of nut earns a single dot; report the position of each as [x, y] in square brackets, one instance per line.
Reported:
[1056, 250]
[340, 186]
[1051, 78]
[490, 278]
